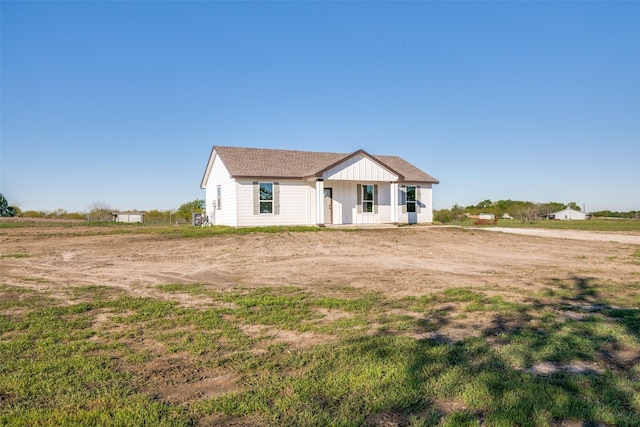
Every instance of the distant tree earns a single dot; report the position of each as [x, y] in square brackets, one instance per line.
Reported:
[186, 210]
[504, 206]
[446, 216]
[58, 213]
[99, 211]
[157, 217]
[528, 212]
[610, 214]
[547, 208]
[5, 209]
[574, 206]
[484, 204]
[32, 214]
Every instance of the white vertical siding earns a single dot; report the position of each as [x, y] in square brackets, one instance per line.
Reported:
[294, 204]
[359, 168]
[227, 214]
[313, 202]
[345, 199]
[384, 203]
[426, 199]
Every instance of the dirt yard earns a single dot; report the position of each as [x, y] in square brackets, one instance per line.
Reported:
[395, 261]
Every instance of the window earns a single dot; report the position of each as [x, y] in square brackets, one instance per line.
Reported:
[219, 197]
[266, 197]
[367, 198]
[411, 198]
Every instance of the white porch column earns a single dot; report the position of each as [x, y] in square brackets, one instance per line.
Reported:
[394, 202]
[320, 202]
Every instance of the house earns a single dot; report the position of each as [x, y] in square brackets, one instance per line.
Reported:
[567, 214]
[487, 216]
[128, 217]
[260, 187]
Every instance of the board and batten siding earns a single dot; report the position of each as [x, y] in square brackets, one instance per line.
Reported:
[359, 168]
[294, 204]
[228, 212]
[345, 203]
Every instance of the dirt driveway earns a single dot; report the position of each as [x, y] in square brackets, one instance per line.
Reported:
[571, 234]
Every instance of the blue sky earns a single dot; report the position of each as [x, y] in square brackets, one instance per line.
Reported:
[121, 102]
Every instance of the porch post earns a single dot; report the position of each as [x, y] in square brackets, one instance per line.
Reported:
[394, 202]
[320, 202]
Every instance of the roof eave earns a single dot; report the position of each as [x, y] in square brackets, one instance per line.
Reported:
[252, 177]
[207, 171]
[419, 181]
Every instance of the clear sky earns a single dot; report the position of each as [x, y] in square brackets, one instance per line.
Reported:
[121, 101]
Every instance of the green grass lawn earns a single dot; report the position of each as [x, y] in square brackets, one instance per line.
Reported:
[75, 364]
[48, 227]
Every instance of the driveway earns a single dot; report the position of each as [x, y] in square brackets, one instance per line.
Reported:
[568, 234]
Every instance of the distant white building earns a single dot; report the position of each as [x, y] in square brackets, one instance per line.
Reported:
[567, 214]
[128, 217]
[487, 216]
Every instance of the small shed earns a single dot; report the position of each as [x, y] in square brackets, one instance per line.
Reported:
[567, 214]
[487, 216]
[132, 217]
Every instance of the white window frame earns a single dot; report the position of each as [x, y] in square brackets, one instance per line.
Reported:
[413, 202]
[369, 202]
[219, 197]
[261, 200]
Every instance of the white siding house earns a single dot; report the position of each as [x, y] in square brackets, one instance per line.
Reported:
[259, 187]
[567, 214]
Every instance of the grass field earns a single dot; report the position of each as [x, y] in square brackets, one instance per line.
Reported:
[59, 366]
[567, 353]
[186, 230]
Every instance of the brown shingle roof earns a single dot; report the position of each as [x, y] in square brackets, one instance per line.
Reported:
[262, 162]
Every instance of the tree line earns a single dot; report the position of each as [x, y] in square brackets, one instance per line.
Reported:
[524, 211]
[101, 211]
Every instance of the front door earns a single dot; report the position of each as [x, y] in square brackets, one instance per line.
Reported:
[328, 206]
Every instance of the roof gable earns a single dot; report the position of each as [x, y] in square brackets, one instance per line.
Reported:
[573, 211]
[293, 164]
[359, 166]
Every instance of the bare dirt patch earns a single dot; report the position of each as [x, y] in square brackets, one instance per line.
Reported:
[397, 262]
[177, 379]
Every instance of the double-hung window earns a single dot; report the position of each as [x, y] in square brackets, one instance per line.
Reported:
[266, 197]
[367, 198]
[411, 198]
[219, 197]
